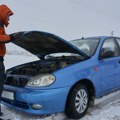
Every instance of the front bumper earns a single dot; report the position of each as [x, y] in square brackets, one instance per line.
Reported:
[52, 100]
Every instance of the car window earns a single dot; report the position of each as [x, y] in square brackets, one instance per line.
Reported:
[110, 46]
[88, 46]
[118, 40]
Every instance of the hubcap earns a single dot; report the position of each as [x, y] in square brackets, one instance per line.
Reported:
[81, 101]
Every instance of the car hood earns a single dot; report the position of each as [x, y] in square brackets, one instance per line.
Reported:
[43, 43]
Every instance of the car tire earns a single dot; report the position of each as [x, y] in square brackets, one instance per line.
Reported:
[77, 103]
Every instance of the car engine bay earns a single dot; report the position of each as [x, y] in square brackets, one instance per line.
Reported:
[19, 75]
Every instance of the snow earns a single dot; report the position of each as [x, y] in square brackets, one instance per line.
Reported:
[106, 108]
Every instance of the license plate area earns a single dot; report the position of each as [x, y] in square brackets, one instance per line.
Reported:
[8, 95]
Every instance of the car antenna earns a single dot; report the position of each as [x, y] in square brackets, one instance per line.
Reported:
[112, 33]
[82, 37]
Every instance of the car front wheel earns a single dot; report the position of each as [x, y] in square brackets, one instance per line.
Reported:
[77, 103]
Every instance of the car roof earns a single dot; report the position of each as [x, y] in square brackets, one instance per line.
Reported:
[103, 37]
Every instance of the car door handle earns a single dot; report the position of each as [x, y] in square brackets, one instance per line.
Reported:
[119, 62]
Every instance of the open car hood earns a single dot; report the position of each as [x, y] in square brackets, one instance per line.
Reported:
[43, 43]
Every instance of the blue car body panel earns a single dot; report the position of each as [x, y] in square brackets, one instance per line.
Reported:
[52, 100]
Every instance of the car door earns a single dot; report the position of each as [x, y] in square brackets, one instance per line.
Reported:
[118, 41]
[109, 65]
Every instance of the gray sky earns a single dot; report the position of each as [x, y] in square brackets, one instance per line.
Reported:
[70, 19]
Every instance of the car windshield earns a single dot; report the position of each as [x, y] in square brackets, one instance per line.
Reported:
[88, 46]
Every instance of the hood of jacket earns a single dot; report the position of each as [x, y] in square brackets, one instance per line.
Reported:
[4, 11]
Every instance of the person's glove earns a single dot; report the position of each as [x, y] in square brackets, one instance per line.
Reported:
[12, 38]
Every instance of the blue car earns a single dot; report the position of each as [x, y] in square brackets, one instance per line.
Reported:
[67, 78]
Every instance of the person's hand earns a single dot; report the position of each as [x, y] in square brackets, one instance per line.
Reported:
[12, 38]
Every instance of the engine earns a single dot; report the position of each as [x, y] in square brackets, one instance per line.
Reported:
[19, 76]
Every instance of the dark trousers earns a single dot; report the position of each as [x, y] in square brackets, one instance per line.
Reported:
[2, 78]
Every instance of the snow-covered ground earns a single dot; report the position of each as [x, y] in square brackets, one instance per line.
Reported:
[106, 108]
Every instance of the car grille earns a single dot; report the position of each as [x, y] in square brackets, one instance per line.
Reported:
[22, 105]
[16, 81]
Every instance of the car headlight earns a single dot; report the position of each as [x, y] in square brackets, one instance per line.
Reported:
[41, 80]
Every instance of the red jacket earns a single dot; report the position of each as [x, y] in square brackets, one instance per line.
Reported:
[4, 11]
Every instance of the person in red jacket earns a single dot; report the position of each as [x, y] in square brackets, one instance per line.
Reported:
[5, 14]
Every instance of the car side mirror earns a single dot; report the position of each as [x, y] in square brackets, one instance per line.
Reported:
[107, 54]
